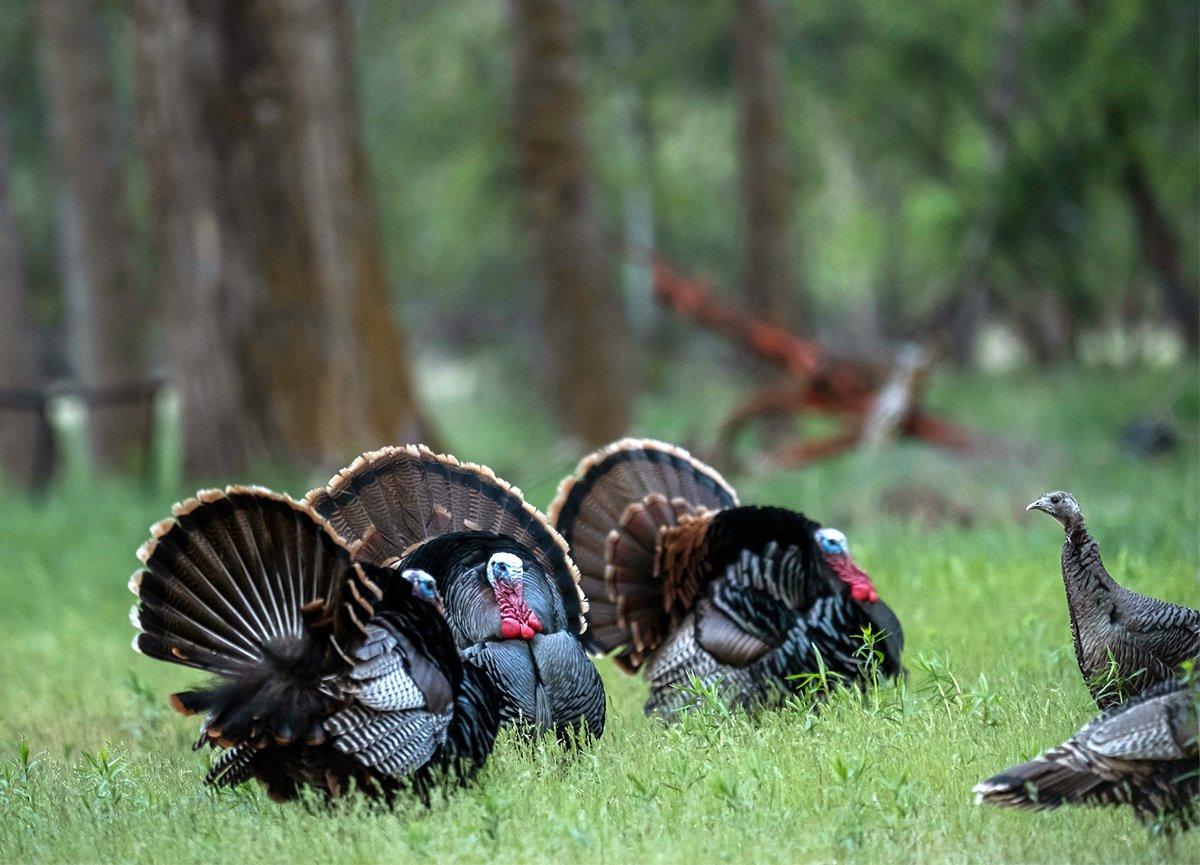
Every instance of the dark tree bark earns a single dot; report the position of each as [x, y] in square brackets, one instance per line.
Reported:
[372, 398]
[105, 318]
[209, 271]
[767, 194]
[26, 441]
[1160, 249]
[582, 313]
[252, 126]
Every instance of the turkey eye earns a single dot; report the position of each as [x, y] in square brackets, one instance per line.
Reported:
[1055, 500]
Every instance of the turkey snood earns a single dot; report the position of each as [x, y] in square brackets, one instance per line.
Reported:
[861, 587]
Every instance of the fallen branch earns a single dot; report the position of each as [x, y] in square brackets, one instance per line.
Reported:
[874, 403]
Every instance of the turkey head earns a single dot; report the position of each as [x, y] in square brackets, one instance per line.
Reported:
[506, 576]
[835, 550]
[1062, 506]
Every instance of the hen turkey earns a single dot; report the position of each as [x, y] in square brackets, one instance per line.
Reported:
[327, 672]
[1124, 642]
[1142, 754]
[686, 585]
[510, 589]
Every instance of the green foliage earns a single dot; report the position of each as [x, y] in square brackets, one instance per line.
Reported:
[887, 115]
[94, 767]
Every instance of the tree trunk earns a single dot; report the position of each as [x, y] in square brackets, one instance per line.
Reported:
[1160, 249]
[251, 111]
[183, 97]
[104, 315]
[26, 441]
[767, 194]
[582, 313]
[371, 398]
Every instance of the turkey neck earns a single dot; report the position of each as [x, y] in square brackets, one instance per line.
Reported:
[1089, 587]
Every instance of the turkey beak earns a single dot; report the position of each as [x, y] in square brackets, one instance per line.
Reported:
[1040, 505]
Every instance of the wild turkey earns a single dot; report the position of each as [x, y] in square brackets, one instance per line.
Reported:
[327, 671]
[685, 583]
[510, 589]
[1142, 754]
[1124, 642]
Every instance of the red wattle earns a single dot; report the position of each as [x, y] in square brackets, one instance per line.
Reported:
[516, 619]
[861, 587]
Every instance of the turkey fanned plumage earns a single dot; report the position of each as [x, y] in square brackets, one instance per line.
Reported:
[686, 586]
[390, 500]
[410, 509]
[328, 672]
[1142, 754]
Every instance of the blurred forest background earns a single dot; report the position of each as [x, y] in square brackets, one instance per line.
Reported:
[280, 228]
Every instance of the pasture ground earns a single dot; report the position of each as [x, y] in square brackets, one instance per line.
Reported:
[94, 766]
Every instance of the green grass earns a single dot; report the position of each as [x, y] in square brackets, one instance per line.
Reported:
[95, 767]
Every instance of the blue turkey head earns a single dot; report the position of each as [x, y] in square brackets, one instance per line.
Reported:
[506, 573]
[504, 569]
[424, 586]
[833, 542]
[835, 549]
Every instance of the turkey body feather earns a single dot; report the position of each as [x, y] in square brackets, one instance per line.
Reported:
[686, 584]
[329, 673]
[1125, 642]
[1142, 754]
[410, 509]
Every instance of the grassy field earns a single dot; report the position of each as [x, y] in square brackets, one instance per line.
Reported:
[96, 768]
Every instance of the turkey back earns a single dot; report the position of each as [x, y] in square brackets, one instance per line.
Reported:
[390, 501]
[612, 511]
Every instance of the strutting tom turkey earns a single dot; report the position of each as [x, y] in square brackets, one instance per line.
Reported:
[1141, 753]
[510, 589]
[1124, 642]
[326, 671]
[686, 583]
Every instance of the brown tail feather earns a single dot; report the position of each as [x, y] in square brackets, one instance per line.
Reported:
[248, 585]
[228, 575]
[612, 511]
[1058, 777]
[392, 499]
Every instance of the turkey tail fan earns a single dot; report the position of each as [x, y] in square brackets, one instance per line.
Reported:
[390, 500]
[245, 584]
[610, 511]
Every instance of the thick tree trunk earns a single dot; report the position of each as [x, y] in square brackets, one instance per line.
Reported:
[105, 320]
[26, 441]
[313, 361]
[582, 313]
[371, 398]
[209, 270]
[767, 194]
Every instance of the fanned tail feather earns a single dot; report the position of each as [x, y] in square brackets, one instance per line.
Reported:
[390, 500]
[245, 584]
[611, 511]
